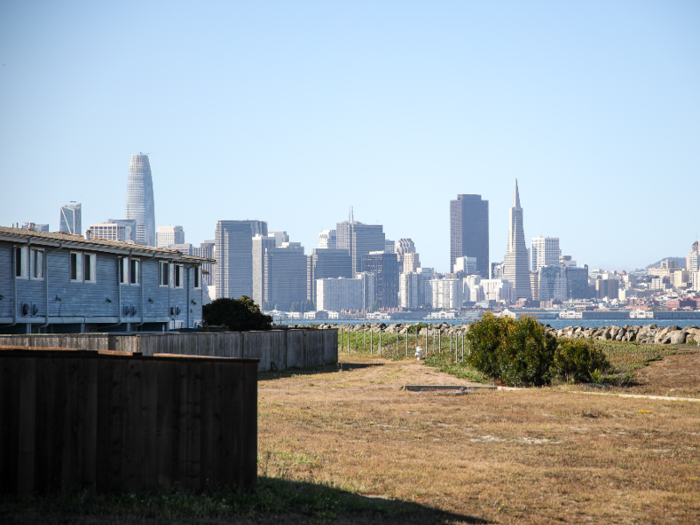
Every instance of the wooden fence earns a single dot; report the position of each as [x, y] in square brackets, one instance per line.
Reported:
[275, 349]
[125, 423]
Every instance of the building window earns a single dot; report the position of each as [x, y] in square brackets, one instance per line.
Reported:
[21, 260]
[178, 274]
[124, 270]
[197, 271]
[36, 264]
[76, 267]
[89, 267]
[134, 271]
[164, 274]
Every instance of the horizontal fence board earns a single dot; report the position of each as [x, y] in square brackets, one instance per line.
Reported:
[294, 348]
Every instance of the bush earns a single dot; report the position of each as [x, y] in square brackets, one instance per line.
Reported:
[414, 329]
[576, 360]
[521, 353]
[517, 352]
[238, 315]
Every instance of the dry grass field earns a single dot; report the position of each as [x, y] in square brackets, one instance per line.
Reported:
[525, 456]
[345, 444]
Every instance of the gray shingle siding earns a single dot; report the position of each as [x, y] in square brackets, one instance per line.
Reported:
[96, 303]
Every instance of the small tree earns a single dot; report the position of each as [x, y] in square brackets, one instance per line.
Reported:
[238, 315]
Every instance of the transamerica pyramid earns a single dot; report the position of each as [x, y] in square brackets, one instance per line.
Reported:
[516, 267]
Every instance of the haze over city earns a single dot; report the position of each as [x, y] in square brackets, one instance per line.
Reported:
[292, 113]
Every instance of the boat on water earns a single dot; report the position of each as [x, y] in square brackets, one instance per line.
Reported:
[570, 313]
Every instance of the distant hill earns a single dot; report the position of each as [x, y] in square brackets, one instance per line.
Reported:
[679, 260]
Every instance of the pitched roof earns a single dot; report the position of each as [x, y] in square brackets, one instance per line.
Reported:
[69, 239]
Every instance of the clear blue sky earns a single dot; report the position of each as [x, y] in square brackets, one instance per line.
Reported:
[291, 112]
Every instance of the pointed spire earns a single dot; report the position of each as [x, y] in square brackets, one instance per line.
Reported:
[516, 196]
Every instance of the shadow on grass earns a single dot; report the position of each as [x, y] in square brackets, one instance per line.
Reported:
[324, 369]
[275, 501]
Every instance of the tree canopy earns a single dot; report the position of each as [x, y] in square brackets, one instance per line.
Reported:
[238, 315]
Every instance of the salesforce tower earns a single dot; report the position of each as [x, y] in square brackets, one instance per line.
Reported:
[139, 199]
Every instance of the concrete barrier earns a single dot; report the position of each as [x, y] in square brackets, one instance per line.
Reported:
[299, 348]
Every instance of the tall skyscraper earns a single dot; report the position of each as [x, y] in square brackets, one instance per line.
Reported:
[545, 252]
[386, 267]
[359, 239]
[233, 271]
[285, 275]
[469, 231]
[71, 218]
[139, 199]
[516, 266]
[327, 263]
[404, 246]
[260, 245]
[167, 235]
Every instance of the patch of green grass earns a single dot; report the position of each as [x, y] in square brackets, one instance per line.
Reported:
[445, 362]
[627, 357]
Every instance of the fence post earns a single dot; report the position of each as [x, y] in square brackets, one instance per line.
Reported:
[407, 342]
[440, 341]
[380, 342]
[371, 337]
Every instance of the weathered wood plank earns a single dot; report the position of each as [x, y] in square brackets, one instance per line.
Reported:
[168, 394]
[27, 426]
[134, 426]
[89, 396]
[150, 430]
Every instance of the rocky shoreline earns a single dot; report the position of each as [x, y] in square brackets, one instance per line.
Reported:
[651, 333]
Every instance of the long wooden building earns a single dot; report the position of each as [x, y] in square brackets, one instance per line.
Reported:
[64, 283]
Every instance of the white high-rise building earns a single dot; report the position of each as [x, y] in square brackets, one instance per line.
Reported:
[339, 294]
[326, 239]
[411, 262]
[466, 265]
[473, 292]
[516, 266]
[545, 252]
[498, 290]
[411, 290]
[369, 289]
[445, 293]
[123, 230]
[167, 235]
[404, 246]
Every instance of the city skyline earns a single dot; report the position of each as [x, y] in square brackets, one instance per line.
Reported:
[589, 105]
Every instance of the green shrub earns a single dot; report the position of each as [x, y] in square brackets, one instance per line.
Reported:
[576, 360]
[414, 329]
[517, 352]
[521, 353]
[238, 315]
